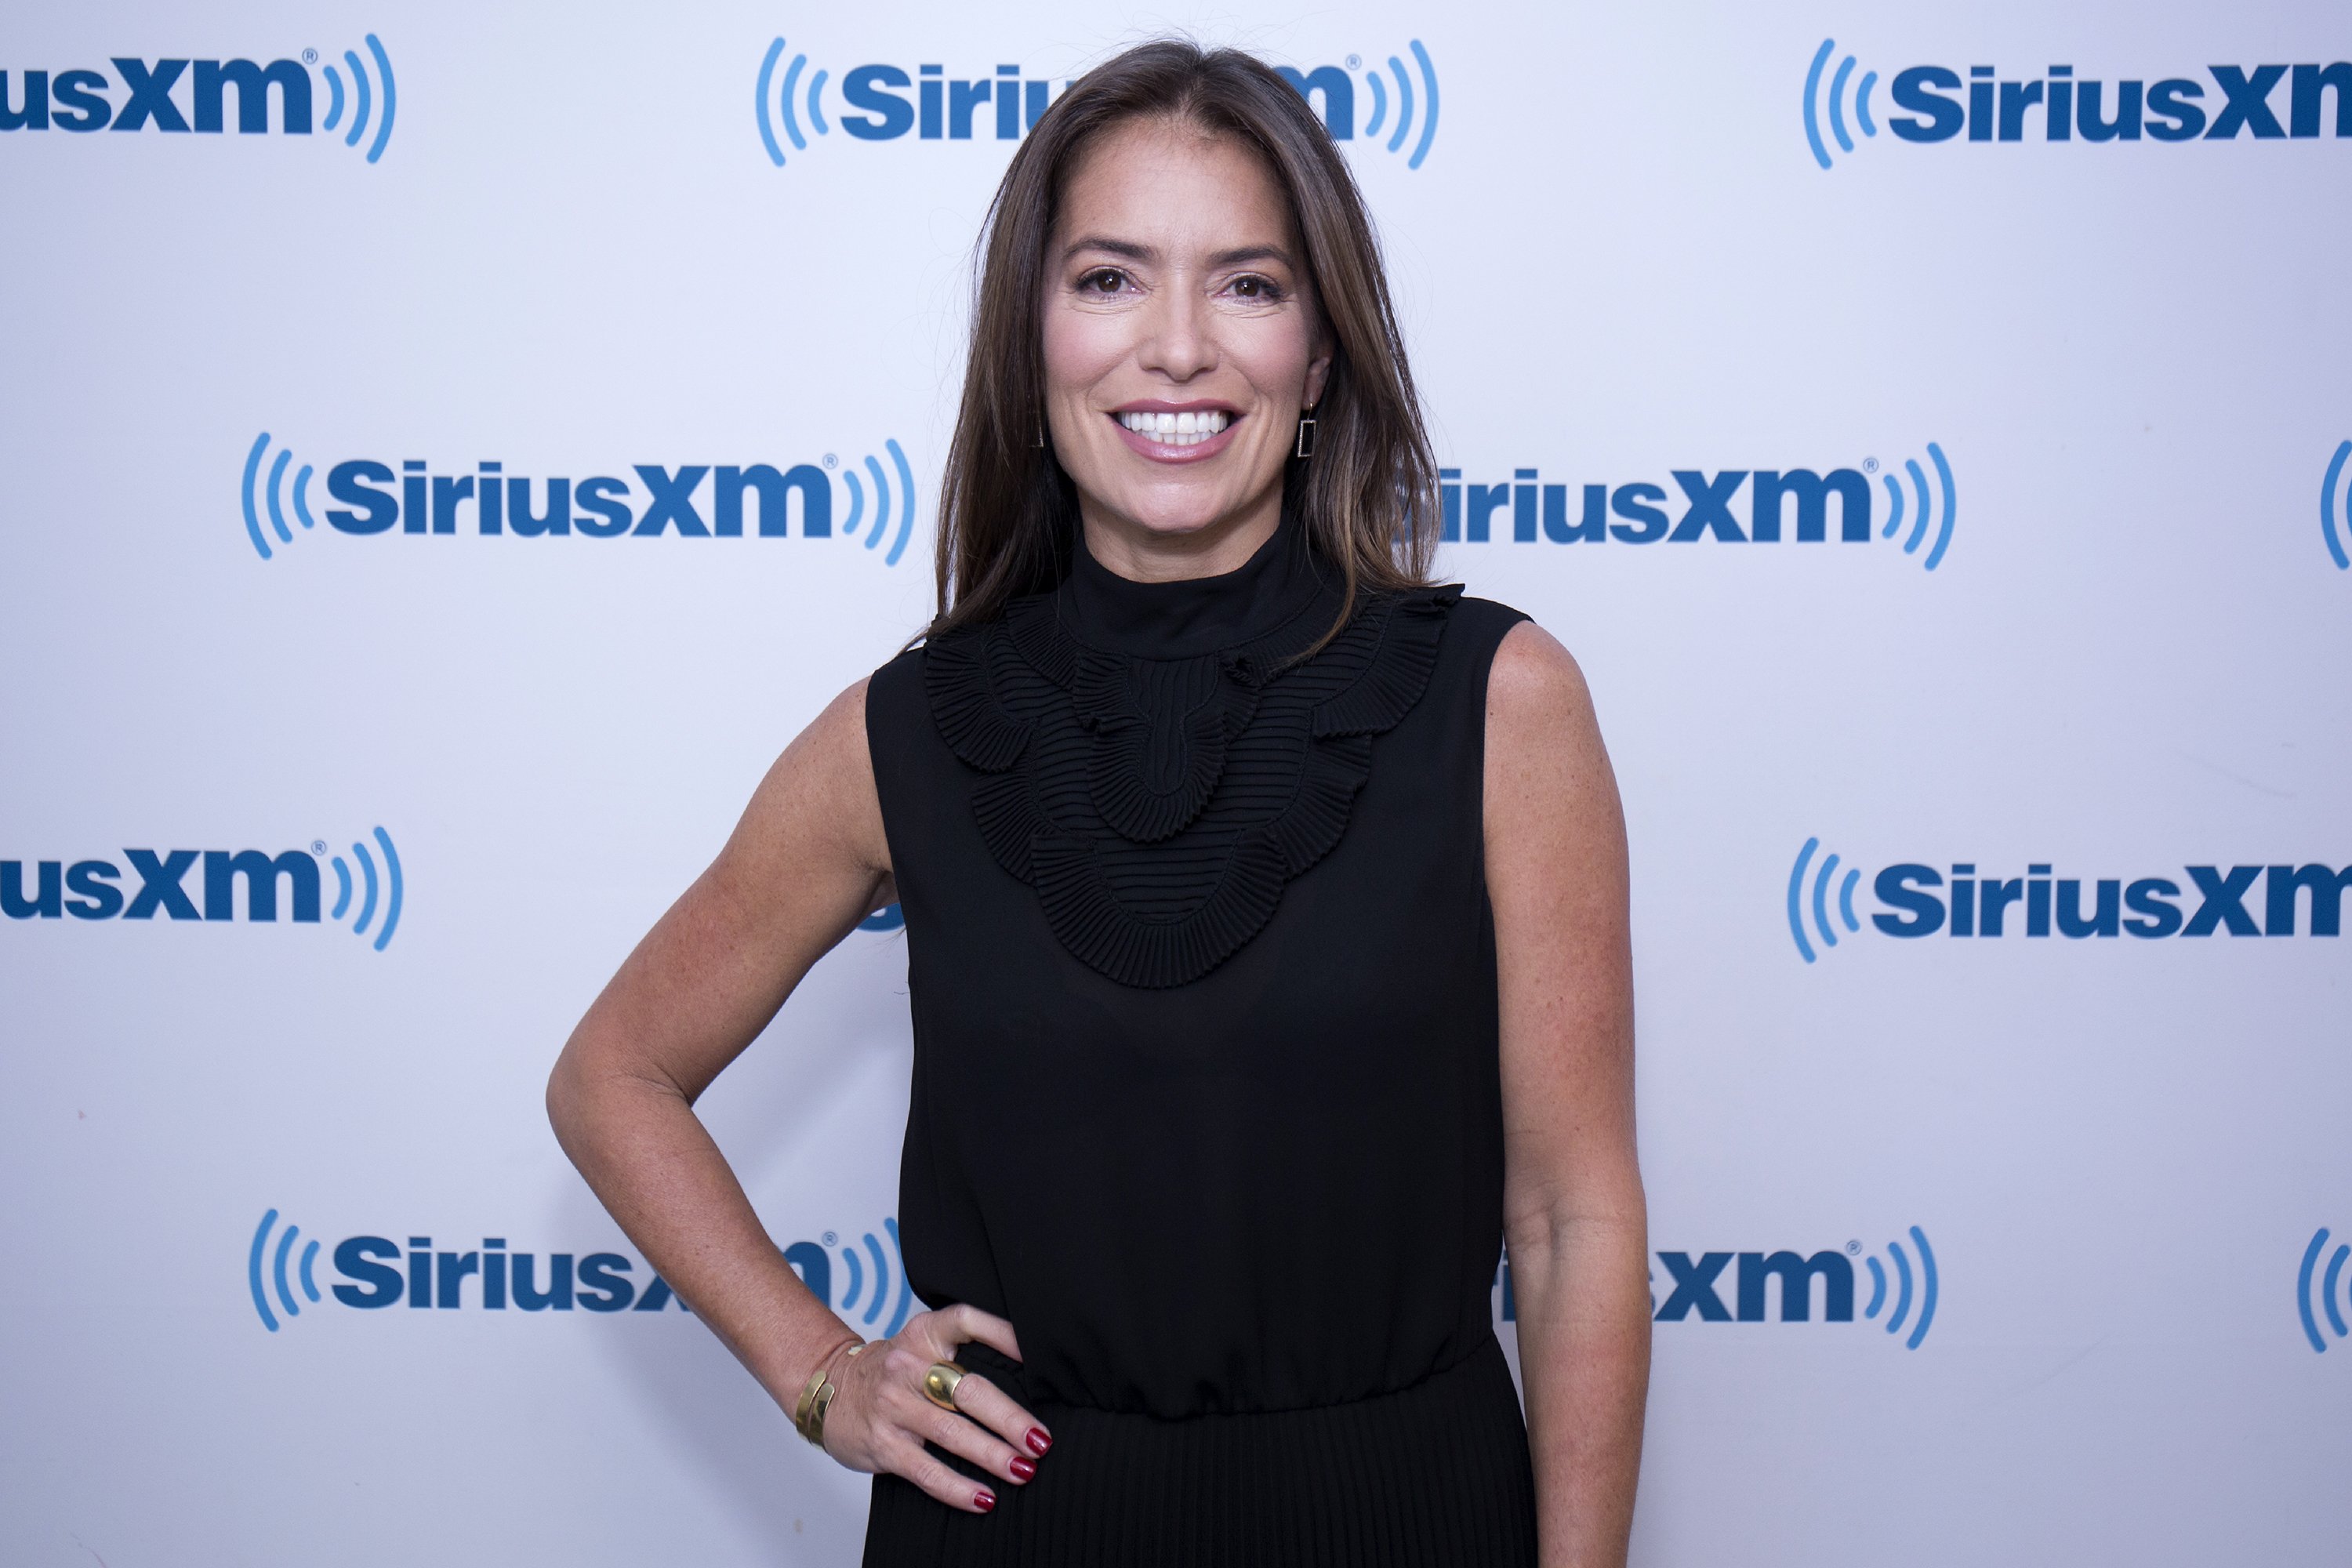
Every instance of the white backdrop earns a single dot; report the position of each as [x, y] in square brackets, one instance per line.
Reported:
[560, 243]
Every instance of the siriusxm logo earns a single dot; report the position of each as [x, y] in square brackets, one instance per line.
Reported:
[98, 893]
[77, 100]
[1336, 88]
[1896, 1287]
[2331, 509]
[661, 501]
[281, 1274]
[1696, 1287]
[884, 103]
[1915, 901]
[1921, 512]
[1937, 106]
[2322, 1295]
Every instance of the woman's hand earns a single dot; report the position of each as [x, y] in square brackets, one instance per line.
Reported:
[880, 1418]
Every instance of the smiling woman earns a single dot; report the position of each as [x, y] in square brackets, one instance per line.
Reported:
[1265, 915]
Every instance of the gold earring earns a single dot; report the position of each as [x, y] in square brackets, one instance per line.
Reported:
[1305, 446]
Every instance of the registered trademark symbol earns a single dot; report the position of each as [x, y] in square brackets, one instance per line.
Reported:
[1854, 1249]
[1870, 465]
[317, 846]
[830, 461]
[310, 57]
[830, 1238]
[1355, 62]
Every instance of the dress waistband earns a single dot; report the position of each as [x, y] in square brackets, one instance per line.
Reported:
[1436, 1473]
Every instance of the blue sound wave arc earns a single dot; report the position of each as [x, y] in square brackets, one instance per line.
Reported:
[881, 503]
[1862, 104]
[269, 1319]
[252, 471]
[881, 1275]
[1380, 102]
[2302, 1290]
[277, 1271]
[334, 98]
[277, 512]
[392, 905]
[1877, 1289]
[388, 889]
[391, 99]
[1845, 901]
[1796, 891]
[1902, 1287]
[2327, 1290]
[1837, 104]
[906, 1286]
[759, 103]
[791, 83]
[364, 97]
[1918, 524]
[857, 1279]
[907, 500]
[856, 503]
[1428, 113]
[1812, 94]
[1951, 505]
[816, 104]
[302, 496]
[1404, 104]
[1928, 1291]
[2327, 508]
[1894, 506]
[1821, 901]
[367, 899]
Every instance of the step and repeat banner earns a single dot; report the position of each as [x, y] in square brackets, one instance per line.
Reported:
[447, 451]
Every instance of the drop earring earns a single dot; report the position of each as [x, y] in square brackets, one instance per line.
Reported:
[1305, 446]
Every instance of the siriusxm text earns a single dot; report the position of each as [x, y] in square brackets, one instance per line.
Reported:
[1734, 505]
[1939, 104]
[96, 889]
[694, 501]
[376, 1274]
[2200, 902]
[79, 99]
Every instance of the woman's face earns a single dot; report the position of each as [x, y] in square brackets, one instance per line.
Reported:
[1175, 297]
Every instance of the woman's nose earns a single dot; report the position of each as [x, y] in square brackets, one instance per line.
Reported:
[1178, 340]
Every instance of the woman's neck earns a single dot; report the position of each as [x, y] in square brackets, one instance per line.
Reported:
[1142, 555]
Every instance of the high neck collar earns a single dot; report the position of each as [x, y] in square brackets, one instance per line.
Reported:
[1193, 616]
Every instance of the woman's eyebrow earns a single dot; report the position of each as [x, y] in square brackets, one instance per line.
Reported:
[1127, 248]
[1250, 253]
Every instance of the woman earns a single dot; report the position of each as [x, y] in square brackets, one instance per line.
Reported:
[1266, 923]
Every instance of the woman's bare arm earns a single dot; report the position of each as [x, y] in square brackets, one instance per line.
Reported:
[806, 864]
[1573, 1212]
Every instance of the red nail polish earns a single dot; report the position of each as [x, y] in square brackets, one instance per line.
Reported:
[983, 1501]
[1038, 1441]
[1022, 1468]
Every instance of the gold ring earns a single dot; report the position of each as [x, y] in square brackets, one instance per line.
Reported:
[940, 1383]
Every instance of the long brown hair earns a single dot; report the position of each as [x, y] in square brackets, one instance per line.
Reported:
[1009, 513]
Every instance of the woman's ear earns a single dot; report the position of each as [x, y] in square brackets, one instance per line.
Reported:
[1318, 370]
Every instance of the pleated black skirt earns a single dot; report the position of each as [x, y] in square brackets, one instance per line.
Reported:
[1435, 1474]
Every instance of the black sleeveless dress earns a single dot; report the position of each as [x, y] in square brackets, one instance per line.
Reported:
[1207, 1099]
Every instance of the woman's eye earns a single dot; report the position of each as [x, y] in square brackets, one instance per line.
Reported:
[1254, 287]
[1103, 280]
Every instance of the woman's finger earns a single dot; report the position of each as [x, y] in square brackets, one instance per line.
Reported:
[996, 1410]
[966, 1322]
[970, 1443]
[908, 1459]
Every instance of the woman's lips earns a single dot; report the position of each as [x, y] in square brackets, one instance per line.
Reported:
[1176, 443]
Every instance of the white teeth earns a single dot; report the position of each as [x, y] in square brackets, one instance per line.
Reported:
[1186, 429]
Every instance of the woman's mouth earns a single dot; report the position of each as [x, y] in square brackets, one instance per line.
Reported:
[1166, 435]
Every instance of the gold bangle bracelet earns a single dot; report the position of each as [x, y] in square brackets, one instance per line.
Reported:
[816, 1398]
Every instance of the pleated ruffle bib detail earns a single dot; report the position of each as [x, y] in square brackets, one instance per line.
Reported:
[1157, 762]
